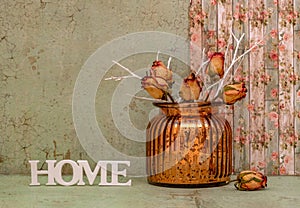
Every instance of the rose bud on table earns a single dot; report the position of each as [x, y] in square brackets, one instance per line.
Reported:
[190, 88]
[158, 69]
[250, 181]
[234, 92]
[157, 87]
[216, 65]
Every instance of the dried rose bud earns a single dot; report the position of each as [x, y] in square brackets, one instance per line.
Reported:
[216, 65]
[190, 88]
[155, 86]
[234, 92]
[158, 69]
[250, 181]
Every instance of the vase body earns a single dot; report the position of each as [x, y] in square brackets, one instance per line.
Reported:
[189, 145]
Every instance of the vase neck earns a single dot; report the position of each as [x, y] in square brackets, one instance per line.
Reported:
[188, 109]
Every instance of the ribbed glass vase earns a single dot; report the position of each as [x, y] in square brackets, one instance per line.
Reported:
[189, 145]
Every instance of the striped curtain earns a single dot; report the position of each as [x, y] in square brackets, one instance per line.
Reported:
[266, 124]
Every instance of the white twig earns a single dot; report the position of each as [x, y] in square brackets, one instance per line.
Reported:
[202, 55]
[150, 99]
[235, 59]
[128, 70]
[119, 78]
[235, 38]
[157, 55]
[238, 66]
[212, 85]
[201, 68]
[169, 62]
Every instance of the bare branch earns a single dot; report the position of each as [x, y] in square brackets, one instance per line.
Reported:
[169, 62]
[157, 55]
[150, 99]
[235, 60]
[119, 78]
[128, 70]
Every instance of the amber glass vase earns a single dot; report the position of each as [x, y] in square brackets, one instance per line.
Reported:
[189, 145]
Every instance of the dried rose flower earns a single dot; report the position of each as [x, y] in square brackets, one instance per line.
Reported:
[157, 87]
[216, 65]
[191, 88]
[250, 180]
[234, 92]
[158, 69]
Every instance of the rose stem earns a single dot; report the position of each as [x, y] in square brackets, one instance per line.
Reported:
[168, 95]
[207, 96]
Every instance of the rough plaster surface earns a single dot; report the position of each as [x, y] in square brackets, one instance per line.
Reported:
[43, 45]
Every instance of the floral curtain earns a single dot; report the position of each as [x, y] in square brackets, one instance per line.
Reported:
[266, 124]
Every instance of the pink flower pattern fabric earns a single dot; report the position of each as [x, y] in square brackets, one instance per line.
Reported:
[266, 124]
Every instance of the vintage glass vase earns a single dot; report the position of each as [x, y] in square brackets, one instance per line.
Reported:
[189, 145]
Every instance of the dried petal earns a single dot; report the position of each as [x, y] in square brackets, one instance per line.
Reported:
[234, 92]
[158, 69]
[216, 65]
[190, 88]
[250, 180]
[155, 86]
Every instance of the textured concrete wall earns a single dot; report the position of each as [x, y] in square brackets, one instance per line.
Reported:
[43, 45]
